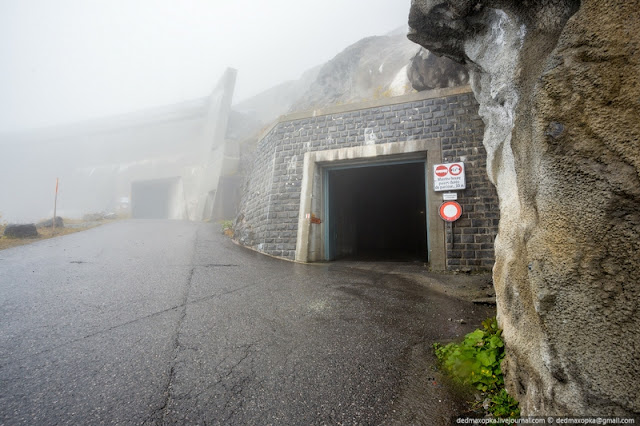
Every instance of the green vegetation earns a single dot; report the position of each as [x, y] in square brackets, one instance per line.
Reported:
[476, 362]
[503, 405]
[227, 227]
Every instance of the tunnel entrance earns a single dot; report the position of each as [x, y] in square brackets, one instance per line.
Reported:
[152, 199]
[377, 212]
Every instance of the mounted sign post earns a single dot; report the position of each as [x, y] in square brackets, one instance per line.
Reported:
[448, 177]
[450, 211]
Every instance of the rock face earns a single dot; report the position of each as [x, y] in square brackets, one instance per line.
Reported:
[558, 83]
[427, 71]
[373, 67]
[21, 231]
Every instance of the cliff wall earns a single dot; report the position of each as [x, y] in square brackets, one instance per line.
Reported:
[558, 87]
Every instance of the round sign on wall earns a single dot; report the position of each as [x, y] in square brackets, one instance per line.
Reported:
[450, 211]
[455, 169]
[441, 171]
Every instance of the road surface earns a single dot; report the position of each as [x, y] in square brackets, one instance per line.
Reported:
[167, 322]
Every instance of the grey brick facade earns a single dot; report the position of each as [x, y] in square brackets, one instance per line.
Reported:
[269, 209]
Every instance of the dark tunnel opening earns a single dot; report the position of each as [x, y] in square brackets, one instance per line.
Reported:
[150, 199]
[378, 213]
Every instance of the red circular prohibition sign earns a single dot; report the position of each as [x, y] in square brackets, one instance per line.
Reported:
[450, 211]
[441, 171]
[455, 169]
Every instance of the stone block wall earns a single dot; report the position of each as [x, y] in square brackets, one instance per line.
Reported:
[268, 218]
[470, 238]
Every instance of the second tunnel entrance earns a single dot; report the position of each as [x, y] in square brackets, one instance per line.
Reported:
[377, 212]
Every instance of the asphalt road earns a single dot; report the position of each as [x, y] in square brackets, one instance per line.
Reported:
[163, 322]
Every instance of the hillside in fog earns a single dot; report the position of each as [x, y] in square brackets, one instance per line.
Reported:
[372, 68]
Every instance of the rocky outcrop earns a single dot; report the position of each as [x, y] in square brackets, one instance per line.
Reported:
[558, 82]
[373, 67]
[427, 71]
[21, 230]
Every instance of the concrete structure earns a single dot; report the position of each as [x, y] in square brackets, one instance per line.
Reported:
[354, 181]
[167, 161]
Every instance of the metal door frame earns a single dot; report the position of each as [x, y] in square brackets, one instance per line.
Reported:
[329, 243]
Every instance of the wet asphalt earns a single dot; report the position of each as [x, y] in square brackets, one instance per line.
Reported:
[166, 322]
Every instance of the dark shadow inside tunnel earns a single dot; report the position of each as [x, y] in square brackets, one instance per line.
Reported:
[151, 199]
[377, 213]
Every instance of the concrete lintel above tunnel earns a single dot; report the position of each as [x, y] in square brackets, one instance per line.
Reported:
[312, 238]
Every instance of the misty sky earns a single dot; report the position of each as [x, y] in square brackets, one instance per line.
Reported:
[68, 60]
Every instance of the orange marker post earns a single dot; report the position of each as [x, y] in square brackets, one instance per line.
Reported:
[55, 205]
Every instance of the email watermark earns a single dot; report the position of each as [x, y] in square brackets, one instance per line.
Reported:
[549, 420]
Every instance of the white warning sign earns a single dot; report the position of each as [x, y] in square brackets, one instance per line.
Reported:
[448, 177]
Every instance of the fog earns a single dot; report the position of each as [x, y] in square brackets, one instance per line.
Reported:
[67, 60]
[99, 93]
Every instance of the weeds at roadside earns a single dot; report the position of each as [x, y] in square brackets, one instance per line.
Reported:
[227, 227]
[46, 232]
[475, 362]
